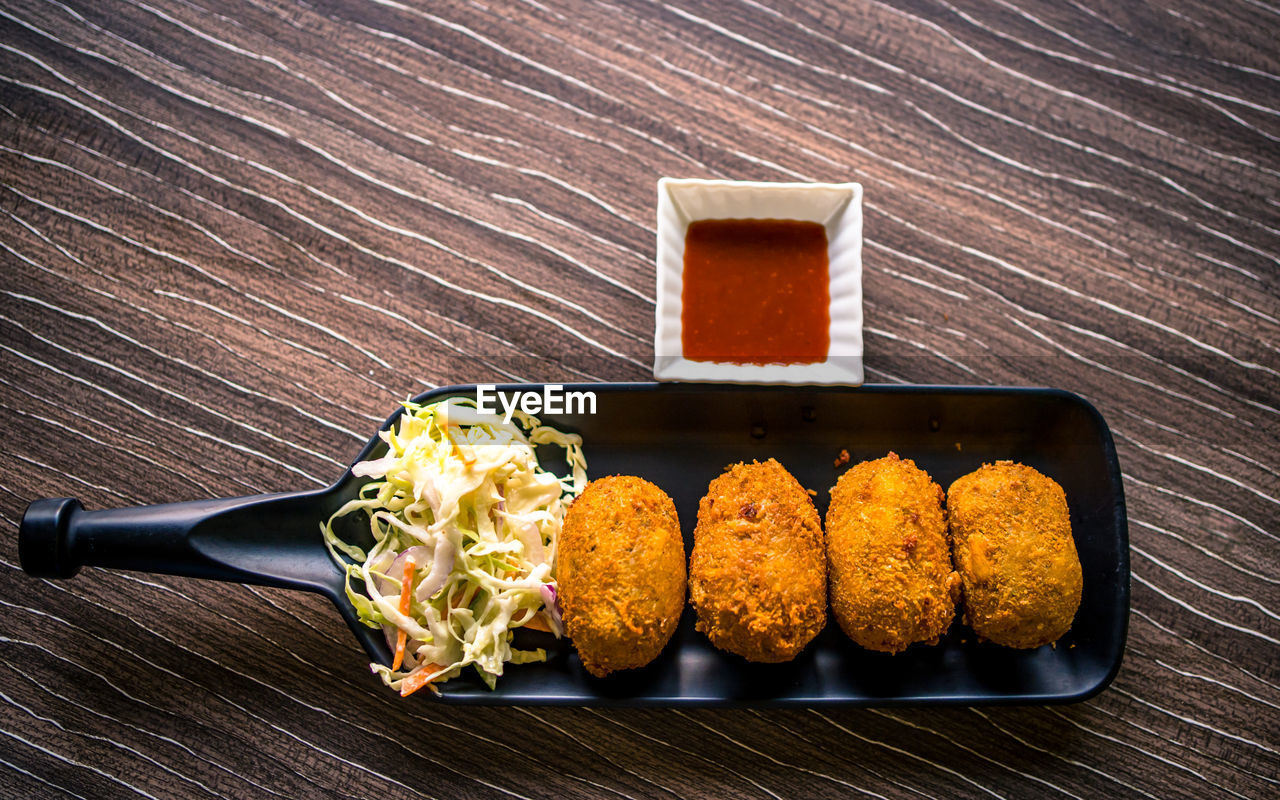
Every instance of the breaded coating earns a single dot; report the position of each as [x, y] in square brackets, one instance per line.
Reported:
[1012, 543]
[621, 574]
[890, 563]
[758, 574]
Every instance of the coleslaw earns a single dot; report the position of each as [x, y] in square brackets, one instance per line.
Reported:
[464, 523]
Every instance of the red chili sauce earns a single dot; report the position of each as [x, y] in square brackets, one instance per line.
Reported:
[755, 292]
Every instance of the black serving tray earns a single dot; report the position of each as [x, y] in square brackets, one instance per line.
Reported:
[680, 436]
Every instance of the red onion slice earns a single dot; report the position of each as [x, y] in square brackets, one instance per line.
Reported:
[550, 599]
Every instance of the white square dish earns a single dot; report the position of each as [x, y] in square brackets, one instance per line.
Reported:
[835, 206]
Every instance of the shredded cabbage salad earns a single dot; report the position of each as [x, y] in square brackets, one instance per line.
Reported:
[465, 524]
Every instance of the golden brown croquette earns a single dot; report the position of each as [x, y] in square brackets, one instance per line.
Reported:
[621, 573]
[890, 577]
[1012, 543]
[758, 573]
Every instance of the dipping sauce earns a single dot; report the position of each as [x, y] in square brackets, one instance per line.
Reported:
[755, 292]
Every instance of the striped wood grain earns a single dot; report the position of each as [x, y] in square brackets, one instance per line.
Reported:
[234, 234]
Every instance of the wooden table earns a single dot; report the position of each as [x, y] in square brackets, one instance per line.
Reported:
[235, 234]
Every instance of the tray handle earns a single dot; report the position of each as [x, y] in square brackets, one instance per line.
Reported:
[269, 540]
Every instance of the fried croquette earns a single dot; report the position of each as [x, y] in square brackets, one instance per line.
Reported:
[621, 573]
[758, 573]
[891, 581]
[1012, 543]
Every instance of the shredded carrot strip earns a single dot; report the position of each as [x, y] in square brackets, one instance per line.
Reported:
[464, 599]
[402, 638]
[419, 678]
[538, 623]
